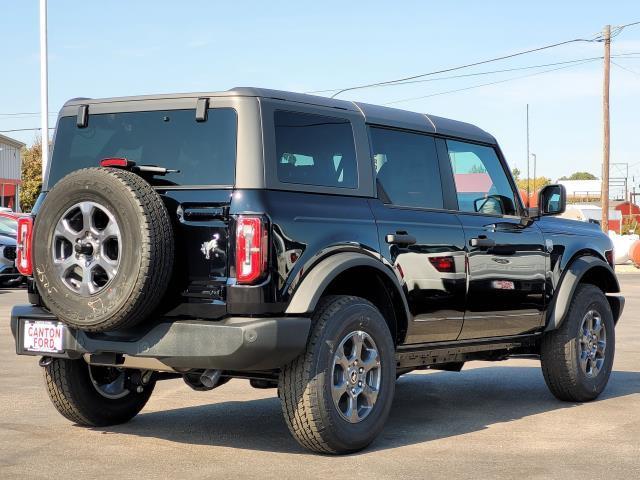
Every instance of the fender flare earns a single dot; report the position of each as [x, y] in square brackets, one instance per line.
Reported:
[570, 281]
[313, 285]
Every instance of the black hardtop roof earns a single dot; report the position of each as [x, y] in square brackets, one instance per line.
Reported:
[374, 114]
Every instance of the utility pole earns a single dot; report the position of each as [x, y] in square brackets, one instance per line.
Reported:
[605, 127]
[44, 88]
[528, 175]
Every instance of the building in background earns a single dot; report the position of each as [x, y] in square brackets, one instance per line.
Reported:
[10, 172]
[592, 213]
[582, 191]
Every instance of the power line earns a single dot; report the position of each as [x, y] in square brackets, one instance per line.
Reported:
[529, 67]
[621, 27]
[22, 117]
[489, 83]
[24, 129]
[617, 30]
[625, 68]
[24, 113]
[595, 38]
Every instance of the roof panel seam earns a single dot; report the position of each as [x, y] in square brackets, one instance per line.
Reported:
[364, 117]
[435, 130]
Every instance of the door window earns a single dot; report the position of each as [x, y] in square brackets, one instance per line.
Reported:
[406, 166]
[315, 150]
[481, 183]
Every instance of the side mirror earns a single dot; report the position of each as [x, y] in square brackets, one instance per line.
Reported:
[552, 200]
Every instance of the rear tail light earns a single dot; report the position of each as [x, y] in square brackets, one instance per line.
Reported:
[444, 264]
[24, 261]
[251, 249]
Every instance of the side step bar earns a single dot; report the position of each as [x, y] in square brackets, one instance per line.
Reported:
[426, 354]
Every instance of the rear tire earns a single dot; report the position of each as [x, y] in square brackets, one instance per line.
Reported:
[334, 409]
[577, 358]
[71, 389]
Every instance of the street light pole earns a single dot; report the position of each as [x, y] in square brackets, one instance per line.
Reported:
[528, 173]
[535, 158]
[44, 88]
[605, 127]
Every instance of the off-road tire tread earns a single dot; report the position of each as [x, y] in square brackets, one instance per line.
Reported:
[73, 404]
[59, 390]
[298, 389]
[559, 367]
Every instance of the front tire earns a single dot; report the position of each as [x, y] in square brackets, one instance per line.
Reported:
[336, 396]
[93, 396]
[577, 358]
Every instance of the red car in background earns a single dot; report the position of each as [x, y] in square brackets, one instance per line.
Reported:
[13, 215]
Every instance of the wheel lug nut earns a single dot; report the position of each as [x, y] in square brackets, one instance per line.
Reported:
[361, 370]
[359, 384]
[353, 390]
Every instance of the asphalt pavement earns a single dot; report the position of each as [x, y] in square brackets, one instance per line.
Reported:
[490, 421]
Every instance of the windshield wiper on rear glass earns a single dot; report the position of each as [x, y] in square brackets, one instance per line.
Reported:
[131, 166]
[153, 169]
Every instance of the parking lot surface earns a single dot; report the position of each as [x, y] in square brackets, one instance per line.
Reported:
[492, 420]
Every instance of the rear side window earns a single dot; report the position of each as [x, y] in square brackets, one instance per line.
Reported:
[482, 184]
[315, 150]
[407, 171]
[203, 152]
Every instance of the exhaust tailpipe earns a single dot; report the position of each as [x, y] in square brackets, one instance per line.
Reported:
[210, 378]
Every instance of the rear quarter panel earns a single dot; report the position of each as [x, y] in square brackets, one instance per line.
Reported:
[305, 228]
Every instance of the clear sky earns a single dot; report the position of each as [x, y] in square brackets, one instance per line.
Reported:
[118, 47]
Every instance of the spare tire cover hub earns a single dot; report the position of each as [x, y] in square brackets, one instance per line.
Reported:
[86, 248]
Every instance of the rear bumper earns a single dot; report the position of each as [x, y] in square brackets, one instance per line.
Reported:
[230, 344]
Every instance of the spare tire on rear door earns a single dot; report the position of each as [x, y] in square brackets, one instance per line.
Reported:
[103, 249]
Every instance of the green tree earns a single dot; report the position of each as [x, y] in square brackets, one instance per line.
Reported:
[31, 175]
[629, 226]
[539, 183]
[580, 176]
[475, 168]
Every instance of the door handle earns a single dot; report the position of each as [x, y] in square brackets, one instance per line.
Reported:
[400, 238]
[481, 241]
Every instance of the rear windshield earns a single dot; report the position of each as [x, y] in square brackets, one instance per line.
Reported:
[203, 152]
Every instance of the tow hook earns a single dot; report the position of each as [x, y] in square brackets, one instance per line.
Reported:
[45, 361]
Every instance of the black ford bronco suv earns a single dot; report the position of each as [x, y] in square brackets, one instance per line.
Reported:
[319, 246]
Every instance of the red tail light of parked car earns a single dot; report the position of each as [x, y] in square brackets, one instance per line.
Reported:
[24, 261]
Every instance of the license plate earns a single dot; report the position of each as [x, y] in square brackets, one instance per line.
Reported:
[503, 285]
[42, 336]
